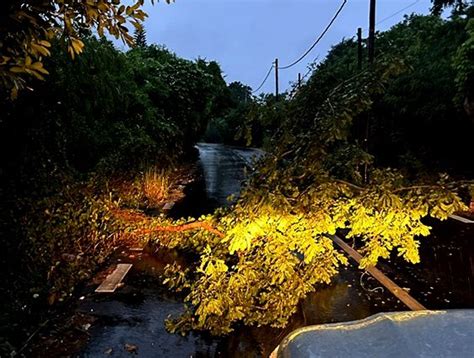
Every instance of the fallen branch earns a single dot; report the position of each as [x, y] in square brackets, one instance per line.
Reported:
[446, 186]
[179, 228]
[14, 354]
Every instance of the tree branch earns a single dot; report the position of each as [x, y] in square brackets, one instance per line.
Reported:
[353, 186]
[179, 228]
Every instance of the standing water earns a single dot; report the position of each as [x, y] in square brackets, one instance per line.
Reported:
[135, 314]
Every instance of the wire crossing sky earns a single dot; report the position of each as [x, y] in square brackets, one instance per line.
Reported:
[320, 37]
[245, 36]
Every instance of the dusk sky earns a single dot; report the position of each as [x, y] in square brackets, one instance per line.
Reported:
[245, 36]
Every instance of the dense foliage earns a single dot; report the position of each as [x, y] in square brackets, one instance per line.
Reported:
[417, 123]
[97, 135]
[458, 5]
[422, 122]
[110, 109]
[28, 27]
[65, 140]
[464, 65]
[274, 245]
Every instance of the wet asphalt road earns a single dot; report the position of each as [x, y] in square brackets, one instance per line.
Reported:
[134, 315]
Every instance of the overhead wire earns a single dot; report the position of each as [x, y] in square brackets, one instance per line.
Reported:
[308, 51]
[317, 40]
[333, 19]
[379, 22]
[265, 79]
[394, 14]
[398, 12]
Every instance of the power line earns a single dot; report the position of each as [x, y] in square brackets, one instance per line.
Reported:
[398, 12]
[307, 73]
[318, 39]
[395, 13]
[379, 22]
[323, 34]
[265, 80]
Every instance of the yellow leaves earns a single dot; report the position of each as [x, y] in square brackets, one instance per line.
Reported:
[444, 203]
[140, 15]
[131, 9]
[40, 48]
[44, 43]
[276, 248]
[210, 265]
[91, 12]
[388, 200]
[4, 60]
[75, 47]
[17, 69]
[410, 251]
[68, 24]
[14, 93]
[214, 267]
[390, 219]
[310, 251]
[27, 66]
[65, 21]
[213, 307]
[102, 6]
[242, 235]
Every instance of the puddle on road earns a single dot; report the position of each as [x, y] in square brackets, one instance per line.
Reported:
[444, 279]
[135, 314]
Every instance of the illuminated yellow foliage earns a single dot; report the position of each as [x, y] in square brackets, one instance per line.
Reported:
[30, 26]
[276, 246]
[275, 250]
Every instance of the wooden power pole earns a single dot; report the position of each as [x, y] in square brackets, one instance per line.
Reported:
[359, 48]
[371, 47]
[371, 44]
[276, 79]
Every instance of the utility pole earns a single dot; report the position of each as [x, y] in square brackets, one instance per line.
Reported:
[299, 80]
[359, 48]
[276, 79]
[371, 44]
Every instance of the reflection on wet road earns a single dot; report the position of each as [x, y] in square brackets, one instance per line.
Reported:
[224, 170]
[135, 314]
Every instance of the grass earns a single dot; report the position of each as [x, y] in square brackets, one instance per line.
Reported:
[156, 185]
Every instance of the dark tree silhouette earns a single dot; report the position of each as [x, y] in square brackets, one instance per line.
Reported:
[140, 37]
[439, 5]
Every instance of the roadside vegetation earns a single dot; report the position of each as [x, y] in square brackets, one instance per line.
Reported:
[91, 136]
[106, 132]
[422, 120]
[274, 246]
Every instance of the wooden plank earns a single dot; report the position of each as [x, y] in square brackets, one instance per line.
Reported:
[396, 290]
[461, 219]
[168, 206]
[112, 281]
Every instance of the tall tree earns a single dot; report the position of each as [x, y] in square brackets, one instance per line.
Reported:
[439, 5]
[28, 26]
[139, 38]
[240, 92]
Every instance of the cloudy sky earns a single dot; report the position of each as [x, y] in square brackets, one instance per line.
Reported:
[245, 36]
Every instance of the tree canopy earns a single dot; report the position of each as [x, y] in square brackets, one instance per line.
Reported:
[319, 178]
[110, 112]
[139, 37]
[439, 5]
[27, 29]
